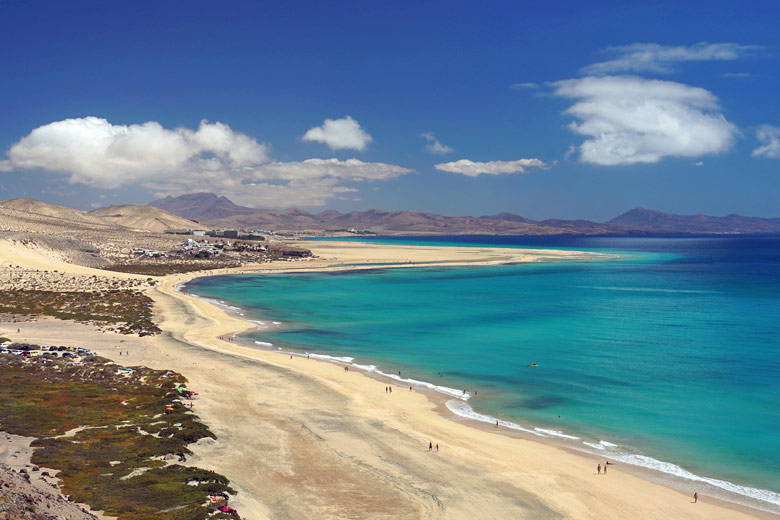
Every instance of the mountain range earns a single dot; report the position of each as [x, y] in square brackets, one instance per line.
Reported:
[221, 212]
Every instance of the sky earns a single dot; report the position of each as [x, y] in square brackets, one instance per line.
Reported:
[543, 109]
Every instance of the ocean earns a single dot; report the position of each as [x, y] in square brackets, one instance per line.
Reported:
[665, 355]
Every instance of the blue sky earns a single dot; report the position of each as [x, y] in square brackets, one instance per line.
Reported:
[545, 109]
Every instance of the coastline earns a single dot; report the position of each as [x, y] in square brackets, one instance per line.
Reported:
[316, 441]
[454, 404]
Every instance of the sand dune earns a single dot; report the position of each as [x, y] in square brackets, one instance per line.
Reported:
[143, 218]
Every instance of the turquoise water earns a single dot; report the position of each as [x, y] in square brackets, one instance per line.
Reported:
[668, 357]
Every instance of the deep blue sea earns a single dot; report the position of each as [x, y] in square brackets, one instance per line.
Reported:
[666, 356]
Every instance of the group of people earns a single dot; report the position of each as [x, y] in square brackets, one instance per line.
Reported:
[430, 446]
[599, 468]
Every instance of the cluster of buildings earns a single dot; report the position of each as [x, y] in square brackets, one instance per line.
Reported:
[149, 253]
[256, 234]
[206, 249]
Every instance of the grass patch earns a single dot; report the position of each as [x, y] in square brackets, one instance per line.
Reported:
[130, 310]
[119, 412]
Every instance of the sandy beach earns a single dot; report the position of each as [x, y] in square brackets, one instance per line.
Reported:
[300, 438]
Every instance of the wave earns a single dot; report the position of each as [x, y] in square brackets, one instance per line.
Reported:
[601, 445]
[669, 468]
[452, 392]
[264, 344]
[619, 454]
[325, 357]
[556, 433]
[462, 409]
[616, 453]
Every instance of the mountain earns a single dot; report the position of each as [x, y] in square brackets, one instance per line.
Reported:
[201, 206]
[658, 222]
[220, 212]
[143, 218]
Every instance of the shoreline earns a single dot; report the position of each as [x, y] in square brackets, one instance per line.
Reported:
[314, 441]
[453, 404]
[670, 480]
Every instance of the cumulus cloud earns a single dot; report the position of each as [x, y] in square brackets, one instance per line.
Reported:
[351, 169]
[630, 120]
[527, 84]
[474, 168]
[434, 146]
[281, 184]
[339, 134]
[95, 152]
[652, 57]
[264, 194]
[770, 138]
[212, 158]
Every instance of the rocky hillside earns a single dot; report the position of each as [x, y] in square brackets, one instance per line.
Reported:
[222, 213]
[642, 218]
[23, 499]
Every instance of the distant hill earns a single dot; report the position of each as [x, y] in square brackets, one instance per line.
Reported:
[143, 218]
[220, 212]
[201, 206]
[50, 212]
[648, 219]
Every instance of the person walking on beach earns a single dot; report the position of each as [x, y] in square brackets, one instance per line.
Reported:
[430, 446]
[605, 467]
[695, 497]
[437, 447]
[599, 469]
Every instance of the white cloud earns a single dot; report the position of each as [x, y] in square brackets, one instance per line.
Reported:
[434, 146]
[212, 158]
[474, 168]
[339, 134]
[262, 194]
[770, 139]
[95, 152]
[527, 84]
[282, 184]
[736, 75]
[698, 163]
[351, 169]
[630, 120]
[653, 57]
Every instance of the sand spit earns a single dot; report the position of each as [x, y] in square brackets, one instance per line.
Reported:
[300, 438]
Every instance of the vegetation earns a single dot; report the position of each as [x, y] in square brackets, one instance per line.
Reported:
[129, 310]
[127, 421]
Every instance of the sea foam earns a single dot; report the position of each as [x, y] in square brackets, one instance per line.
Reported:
[462, 409]
[452, 392]
[616, 453]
